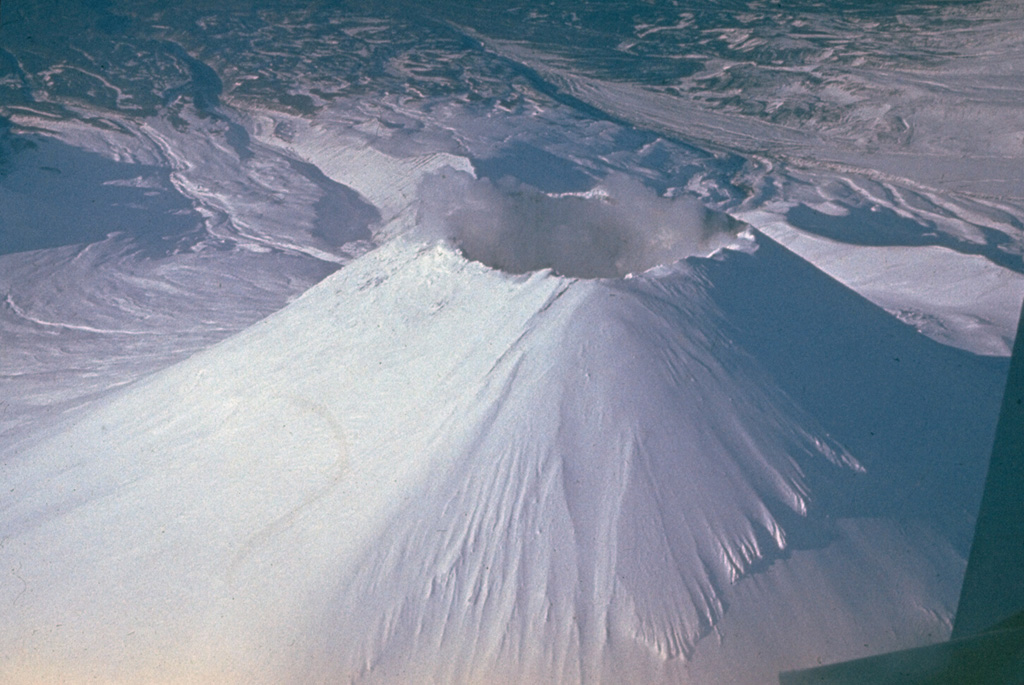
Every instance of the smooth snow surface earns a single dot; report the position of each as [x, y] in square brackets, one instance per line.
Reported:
[461, 342]
[454, 474]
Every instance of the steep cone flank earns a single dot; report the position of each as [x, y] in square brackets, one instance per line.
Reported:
[424, 470]
[584, 506]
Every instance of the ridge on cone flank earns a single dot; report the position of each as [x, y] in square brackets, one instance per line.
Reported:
[199, 509]
[426, 470]
[585, 515]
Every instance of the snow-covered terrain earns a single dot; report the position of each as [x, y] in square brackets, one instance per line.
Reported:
[585, 342]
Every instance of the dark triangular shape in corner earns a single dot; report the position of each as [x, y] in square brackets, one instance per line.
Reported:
[993, 587]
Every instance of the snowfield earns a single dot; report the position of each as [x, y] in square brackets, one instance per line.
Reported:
[443, 348]
[428, 470]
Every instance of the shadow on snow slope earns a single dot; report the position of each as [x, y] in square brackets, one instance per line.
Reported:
[426, 470]
[54, 194]
[880, 226]
[918, 415]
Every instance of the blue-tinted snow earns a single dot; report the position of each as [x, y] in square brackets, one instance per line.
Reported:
[170, 175]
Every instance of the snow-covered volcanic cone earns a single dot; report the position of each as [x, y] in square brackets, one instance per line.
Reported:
[547, 410]
[426, 469]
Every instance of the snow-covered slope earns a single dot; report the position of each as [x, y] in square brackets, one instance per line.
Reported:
[426, 470]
